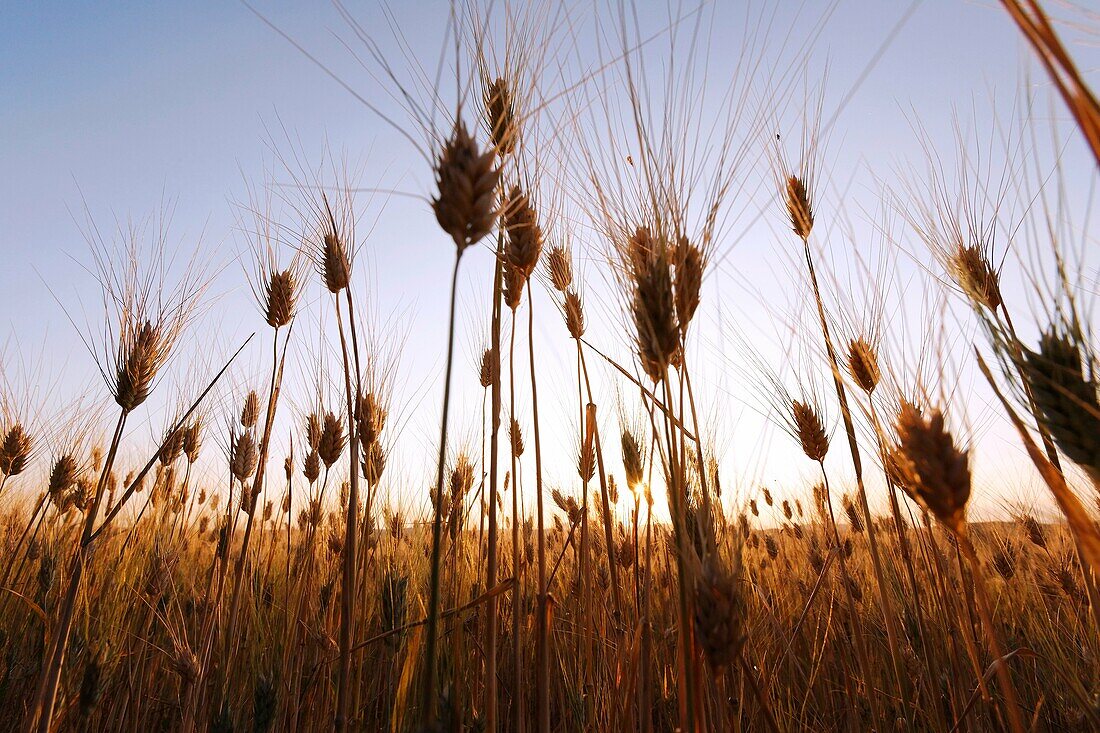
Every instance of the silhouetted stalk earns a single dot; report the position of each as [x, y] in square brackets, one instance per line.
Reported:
[542, 640]
[480, 498]
[431, 655]
[347, 594]
[948, 598]
[846, 578]
[194, 702]
[494, 447]
[604, 498]
[51, 675]
[1015, 719]
[584, 655]
[695, 426]
[517, 564]
[690, 694]
[646, 660]
[857, 464]
[253, 503]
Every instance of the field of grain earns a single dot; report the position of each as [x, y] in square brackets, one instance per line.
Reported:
[265, 564]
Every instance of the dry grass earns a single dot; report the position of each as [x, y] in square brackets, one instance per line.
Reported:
[249, 598]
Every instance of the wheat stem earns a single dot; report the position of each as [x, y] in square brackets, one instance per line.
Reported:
[850, 433]
[51, 673]
[432, 651]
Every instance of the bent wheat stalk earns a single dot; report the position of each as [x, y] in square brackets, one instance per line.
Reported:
[802, 218]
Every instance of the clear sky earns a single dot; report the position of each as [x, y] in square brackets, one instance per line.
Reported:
[132, 107]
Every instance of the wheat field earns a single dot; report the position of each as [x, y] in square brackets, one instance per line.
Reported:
[270, 560]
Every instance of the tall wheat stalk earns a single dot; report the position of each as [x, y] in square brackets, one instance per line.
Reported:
[465, 209]
[932, 470]
[143, 327]
[277, 294]
[491, 621]
[801, 214]
[542, 639]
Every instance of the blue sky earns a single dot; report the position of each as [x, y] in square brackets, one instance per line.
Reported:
[133, 106]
